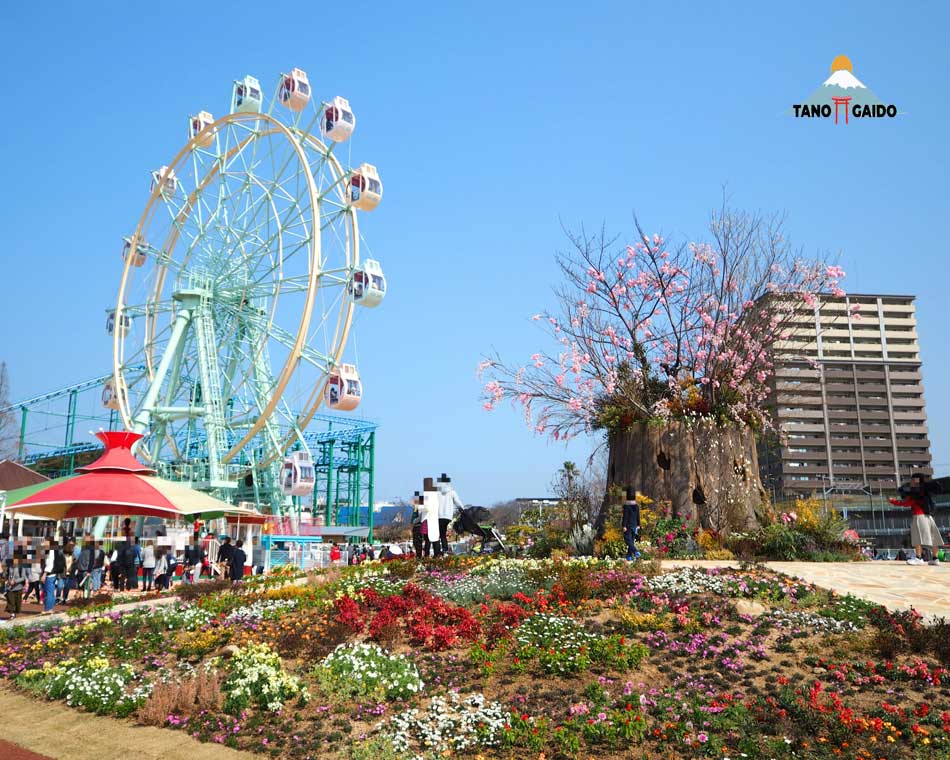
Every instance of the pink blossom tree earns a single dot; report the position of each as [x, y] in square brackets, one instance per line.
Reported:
[662, 333]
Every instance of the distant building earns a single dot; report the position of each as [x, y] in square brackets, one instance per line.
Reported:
[848, 395]
[14, 475]
[528, 502]
[390, 513]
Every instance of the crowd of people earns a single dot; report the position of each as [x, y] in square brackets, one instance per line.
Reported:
[355, 554]
[53, 572]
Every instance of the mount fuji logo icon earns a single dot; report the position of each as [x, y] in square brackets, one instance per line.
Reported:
[843, 93]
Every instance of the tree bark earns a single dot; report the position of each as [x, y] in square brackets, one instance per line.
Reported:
[708, 472]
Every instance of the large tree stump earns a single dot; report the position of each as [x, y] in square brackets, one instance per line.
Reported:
[708, 472]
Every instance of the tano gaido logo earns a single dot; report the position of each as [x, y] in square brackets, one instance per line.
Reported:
[843, 93]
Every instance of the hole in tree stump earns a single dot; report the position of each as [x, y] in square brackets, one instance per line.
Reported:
[663, 460]
[740, 471]
[699, 498]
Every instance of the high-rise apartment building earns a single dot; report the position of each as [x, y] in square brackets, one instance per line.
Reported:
[849, 397]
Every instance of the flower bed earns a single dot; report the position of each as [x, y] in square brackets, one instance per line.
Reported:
[511, 658]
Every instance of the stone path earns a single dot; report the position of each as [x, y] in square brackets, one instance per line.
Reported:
[896, 585]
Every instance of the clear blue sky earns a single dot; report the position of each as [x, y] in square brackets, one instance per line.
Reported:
[490, 123]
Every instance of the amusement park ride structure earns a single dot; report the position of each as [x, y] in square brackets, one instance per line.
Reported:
[238, 291]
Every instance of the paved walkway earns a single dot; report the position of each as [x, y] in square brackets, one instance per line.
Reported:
[896, 585]
[16, 752]
[32, 616]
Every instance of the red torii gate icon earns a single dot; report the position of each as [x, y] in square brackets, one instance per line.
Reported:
[841, 102]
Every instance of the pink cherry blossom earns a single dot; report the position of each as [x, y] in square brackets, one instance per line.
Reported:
[660, 330]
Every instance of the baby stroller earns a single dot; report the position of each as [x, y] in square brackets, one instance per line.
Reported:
[478, 522]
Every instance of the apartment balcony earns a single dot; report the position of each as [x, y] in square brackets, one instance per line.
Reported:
[843, 440]
[897, 306]
[911, 429]
[903, 445]
[836, 332]
[795, 373]
[814, 473]
[804, 456]
[793, 427]
[909, 417]
[808, 403]
[835, 385]
[892, 334]
[902, 387]
[801, 414]
[787, 387]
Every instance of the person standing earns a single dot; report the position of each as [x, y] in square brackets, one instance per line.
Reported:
[630, 523]
[417, 530]
[83, 567]
[98, 567]
[923, 528]
[161, 569]
[53, 564]
[115, 568]
[335, 554]
[137, 549]
[430, 508]
[127, 530]
[224, 557]
[148, 567]
[449, 504]
[238, 561]
[67, 578]
[17, 576]
[194, 560]
[129, 579]
[171, 565]
[36, 579]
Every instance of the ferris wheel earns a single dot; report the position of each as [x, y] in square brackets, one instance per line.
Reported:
[239, 285]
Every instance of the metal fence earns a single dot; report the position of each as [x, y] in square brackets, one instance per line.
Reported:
[890, 526]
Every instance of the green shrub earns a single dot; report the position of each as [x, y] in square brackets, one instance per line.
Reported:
[368, 670]
[92, 684]
[780, 542]
[256, 678]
